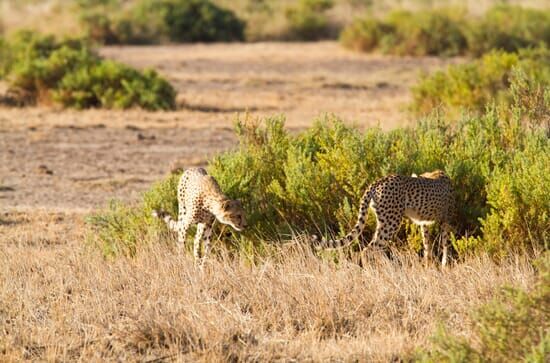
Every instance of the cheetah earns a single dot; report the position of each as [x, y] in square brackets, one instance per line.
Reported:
[201, 202]
[424, 199]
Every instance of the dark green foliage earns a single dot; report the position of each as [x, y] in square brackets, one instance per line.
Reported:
[498, 77]
[450, 32]
[312, 182]
[308, 21]
[113, 85]
[41, 69]
[513, 327]
[27, 45]
[152, 21]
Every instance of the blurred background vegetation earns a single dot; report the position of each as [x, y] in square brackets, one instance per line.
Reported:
[51, 69]
[146, 21]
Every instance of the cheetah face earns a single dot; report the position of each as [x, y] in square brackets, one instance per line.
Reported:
[233, 215]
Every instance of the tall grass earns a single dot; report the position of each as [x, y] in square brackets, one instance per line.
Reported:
[513, 327]
[69, 304]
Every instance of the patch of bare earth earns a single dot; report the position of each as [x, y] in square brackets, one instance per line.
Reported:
[83, 167]
[301, 80]
[80, 159]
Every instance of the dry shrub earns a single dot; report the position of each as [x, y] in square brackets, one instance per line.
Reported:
[450, 31]
[160, 21]
[513, 327]
[308, 21]
[71, 304]
[509, 80]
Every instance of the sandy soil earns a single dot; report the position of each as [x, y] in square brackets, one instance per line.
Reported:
[66, 160]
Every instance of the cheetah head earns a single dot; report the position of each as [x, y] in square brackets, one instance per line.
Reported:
[232, 213]
[436, 174]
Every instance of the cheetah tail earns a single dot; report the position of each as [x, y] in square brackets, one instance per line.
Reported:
[357, 229]
[170, 222]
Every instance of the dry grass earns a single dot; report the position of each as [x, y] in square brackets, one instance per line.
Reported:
[64, 302]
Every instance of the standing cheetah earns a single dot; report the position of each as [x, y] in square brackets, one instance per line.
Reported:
[425, 199]
[201, 201]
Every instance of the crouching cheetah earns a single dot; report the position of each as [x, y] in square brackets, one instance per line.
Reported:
[201, 202]
[425, 199]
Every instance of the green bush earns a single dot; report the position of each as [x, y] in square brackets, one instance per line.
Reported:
[432, 32]
[109, 84]
[513, 327]
[364, 34]
[311, 182]
[308, 20]
[152, 21]
[450, 32]
[99, 27]
[424, 33]
[530, 89]
[489, 79]
[121, 228]
[27, 45]
[509, 28]
[519, 200]
[41, 69]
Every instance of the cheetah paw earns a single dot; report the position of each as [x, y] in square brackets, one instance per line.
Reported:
[317, 242]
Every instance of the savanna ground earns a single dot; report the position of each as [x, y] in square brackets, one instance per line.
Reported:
[61, 300]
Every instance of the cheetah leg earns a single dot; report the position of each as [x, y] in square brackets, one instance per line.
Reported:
[445, 241]
[428, 253]
[385, 231]
[182, 217]
[207, 240]
[182, 228]
[197, 242]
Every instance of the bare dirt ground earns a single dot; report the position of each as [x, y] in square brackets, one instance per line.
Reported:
[77, 160]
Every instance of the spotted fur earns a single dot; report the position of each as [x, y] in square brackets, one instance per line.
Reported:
[201, 202]
[424, 199]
